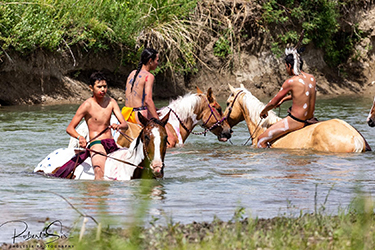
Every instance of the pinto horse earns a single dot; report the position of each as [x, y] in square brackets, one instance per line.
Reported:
[143, 159]
[187, 112]
[330, 136]
[371, 115]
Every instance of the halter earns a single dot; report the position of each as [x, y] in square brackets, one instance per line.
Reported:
[231, 106]
[230, 111]
[216, 124]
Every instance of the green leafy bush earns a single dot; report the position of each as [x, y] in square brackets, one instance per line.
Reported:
[321, 21]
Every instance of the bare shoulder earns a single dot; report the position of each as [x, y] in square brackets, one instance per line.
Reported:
[112, 102]
[290, 82]
[86, 104]
[309, 76]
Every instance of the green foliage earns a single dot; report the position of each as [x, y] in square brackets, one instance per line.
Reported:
[222, 47]
[319, 19]
[94, 24]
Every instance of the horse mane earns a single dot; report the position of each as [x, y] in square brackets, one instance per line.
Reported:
[135, 147]
[184, 106]
[254, 107]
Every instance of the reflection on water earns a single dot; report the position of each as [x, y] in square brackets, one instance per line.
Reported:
[203, 179]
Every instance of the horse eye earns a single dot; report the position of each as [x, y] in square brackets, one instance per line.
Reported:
[147, 138]
[219, 110]
[227, 104]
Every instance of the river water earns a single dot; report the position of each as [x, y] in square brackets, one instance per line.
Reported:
[203, 180]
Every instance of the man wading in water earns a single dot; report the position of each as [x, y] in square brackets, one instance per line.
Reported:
[97, 111]
[302, 89]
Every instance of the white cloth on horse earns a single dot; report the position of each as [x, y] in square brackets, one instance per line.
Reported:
[114, 169]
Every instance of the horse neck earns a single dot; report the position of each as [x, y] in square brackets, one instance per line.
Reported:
[251, 108]
[189, 125]
[136, 151]
[186, 108]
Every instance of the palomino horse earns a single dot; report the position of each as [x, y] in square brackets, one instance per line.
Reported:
[143, 159]
[331, 136]
[371, 115]
[186, 113]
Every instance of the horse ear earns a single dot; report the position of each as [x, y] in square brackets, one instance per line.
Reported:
[242, 86]
[165, 119]
[199, 91]
[142, 119]
[210, 95]
[231, 88]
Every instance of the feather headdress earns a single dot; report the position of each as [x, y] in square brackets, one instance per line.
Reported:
[294, 51]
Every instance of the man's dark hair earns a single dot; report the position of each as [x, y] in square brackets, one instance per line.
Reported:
[97, 76]
[289, 60]
[147, 54]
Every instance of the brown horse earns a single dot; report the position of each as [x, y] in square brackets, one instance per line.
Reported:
[143, 159]
[187, 112]
[331, 136]
[371, 115]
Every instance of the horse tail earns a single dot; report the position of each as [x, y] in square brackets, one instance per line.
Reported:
[359, 144]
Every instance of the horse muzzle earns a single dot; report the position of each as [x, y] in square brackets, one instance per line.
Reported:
[370, 122]
[158, 169]
[225, 135]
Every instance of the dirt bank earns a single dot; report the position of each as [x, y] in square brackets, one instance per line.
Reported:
[61, 76]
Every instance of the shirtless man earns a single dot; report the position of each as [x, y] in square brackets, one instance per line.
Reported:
[97, 111]
[138, 89]
[302, 89]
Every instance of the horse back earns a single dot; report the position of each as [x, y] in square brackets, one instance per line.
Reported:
[130, 134]
[331, 136]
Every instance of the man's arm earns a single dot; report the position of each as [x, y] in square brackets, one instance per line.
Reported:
[71, 129]
[286, 98]
[148, 98]
[116, 110]
[286, 87]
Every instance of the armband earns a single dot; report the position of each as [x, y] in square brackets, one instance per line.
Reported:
[78, 137]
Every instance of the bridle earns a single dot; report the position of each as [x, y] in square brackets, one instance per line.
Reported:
[216, 124]
[232, 104]
[230, 111]
[146, 153]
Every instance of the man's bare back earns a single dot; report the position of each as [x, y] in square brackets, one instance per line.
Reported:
[302, 89]
[139, 86]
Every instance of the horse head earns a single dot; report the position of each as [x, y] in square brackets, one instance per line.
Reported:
[371, 116]
[233, 112]
[212, 116]
[154, 139]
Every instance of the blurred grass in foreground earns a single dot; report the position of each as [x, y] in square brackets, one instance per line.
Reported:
[351, 228]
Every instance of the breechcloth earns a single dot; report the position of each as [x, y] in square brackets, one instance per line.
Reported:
[69, 167]
[130, 113]
[306, 122]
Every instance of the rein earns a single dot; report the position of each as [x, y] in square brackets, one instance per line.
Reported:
[251, 134]
[105, 155]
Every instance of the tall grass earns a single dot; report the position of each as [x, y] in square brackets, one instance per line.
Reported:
[94, 24]
[351, 228]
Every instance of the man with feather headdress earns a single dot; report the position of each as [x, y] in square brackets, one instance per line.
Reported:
[302, 89]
